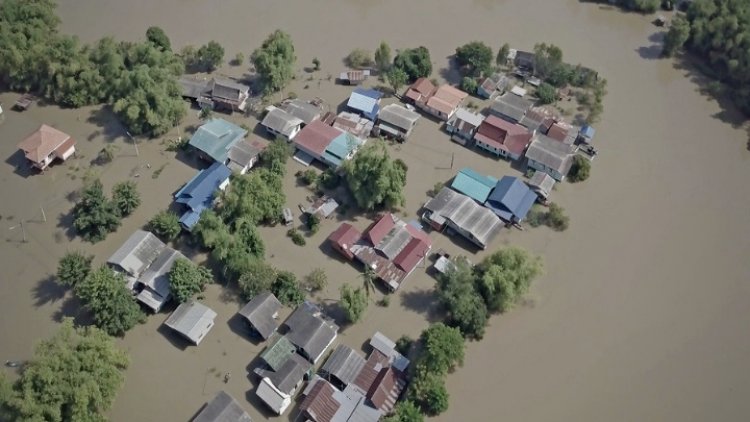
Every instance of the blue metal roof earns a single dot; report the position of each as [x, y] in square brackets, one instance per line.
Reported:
[216, 138]
[588, 132]
[365, 101]
[511, 199]
[198, 193]
[474, 185]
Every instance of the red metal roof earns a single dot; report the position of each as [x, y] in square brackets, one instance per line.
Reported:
[376, 362]
[382, 227]
[316, 136]
[385, 390]
[319, 404]
[345, 236]
[558, 132]
[40, 144]
[414, 251]
[504, 135]
[420, 90]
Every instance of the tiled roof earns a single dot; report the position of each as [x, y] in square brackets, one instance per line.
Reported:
[40, 144]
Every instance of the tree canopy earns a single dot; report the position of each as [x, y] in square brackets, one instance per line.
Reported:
[158, 38]
[258, 278]
[95, 216]
[396, 78]
[374, 179]
[427, 390]
[257, 196]
[275, 156]
[442, 349]
[383, 57]
[165, 225]
[353, 302]
[187, 279]
[106, 295]
[125, 195]
[415, 62]
[580, 170]
[546, 93]
[73, 377]
[286, 288]
[274, 61]
[405, 411]
[458, 294]
[73, 268]
[677, 36]
[476, 56]
[505, 277]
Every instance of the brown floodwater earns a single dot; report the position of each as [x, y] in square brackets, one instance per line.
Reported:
[642, 313]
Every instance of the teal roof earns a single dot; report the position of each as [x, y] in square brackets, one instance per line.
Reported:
[341, 147]
[278, 352]
[474, 185]
[216, 138]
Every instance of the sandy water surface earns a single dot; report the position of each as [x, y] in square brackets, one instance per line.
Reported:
[642, 313]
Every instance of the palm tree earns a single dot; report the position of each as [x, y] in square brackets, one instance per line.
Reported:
[368, 278]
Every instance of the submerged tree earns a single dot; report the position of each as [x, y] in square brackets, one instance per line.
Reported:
[125, 195]
[383, 57]
[94, 216]
[73, 268]
[679, 33]
[165, 225]
[106, 295]
[187, 279]
[274, 61]
[158, 38]
[210, 56]
[353, 302]
[375, 179]
[477, 56]
[458, 294]
[505, 277]
[580, 170]
[415, 62]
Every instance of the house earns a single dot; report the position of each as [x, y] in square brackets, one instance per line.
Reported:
[542, 183]
[539, 119]
[46, 145]
[396, 121]
[354, 77]
[419, 92]
[192, 320]
[353, 123]
[365, 102]
[24, 102]
[493, 85]
[461, 214]
[343, 238]
[502, 138]
[261, 314]
[474, 185]
[463, 125]
[198, 194]
[550, 156]
[322, 206]
[524, 60]
[319, 141]
[303, 110]
[444, 102]
[214, 139]
[279, 123]
[586, 134]
[222, 408]
[310, 332]
[563, 132]
[277, 388]
[511, 199]
[277, 353]
[343, 366]
[244, 155]
[154, 282]
[510, 107]
[136, 255]
[216, 93]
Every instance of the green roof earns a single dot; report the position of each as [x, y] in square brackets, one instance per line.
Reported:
[216, 138]
[341, 147]
[474, 185]
[278, 352]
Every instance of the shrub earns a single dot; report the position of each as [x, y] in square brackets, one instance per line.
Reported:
[359, 58]
[165, 225]
[317, 279]
[329, 179]
[73, 268]
[469, 84]
[580, 170]
[313, 223]
[308, 177]
[546, 93]
[297, 238]
[316, 63]
[554, 217]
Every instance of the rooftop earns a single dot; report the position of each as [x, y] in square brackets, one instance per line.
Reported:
[511, 105]
[420, 90]
[192, 319]
[511, 199]
[309, 331]
[216, 137]
[345, 236]
[198, 194]
[156, 279]
[466, 116]
[278, 352]
[222, 408]
[137, 253]
[243, 152]
[316, 137]
[503, 135]
[261, 313]
[302, 110]
[344, 364]
[365, 101]
[398, 116]
[446, 99]
[551, 153]
[474, 185]
[280, 121]
[481, 223]
[40, 144]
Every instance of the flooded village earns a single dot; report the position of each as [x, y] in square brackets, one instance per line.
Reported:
[639, 312]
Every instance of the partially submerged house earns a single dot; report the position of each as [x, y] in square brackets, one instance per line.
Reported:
[550, 156]
[46, 145]
[542, 184]
[214, 139]
[511, 199]
[244, 155]
[310, 332]
[136, 255]
[473, 184]
[154, 282]
[261, 314]
[343, 366]
[319, 141]
[222, 408]
[419, 92]
[343, 238]
[277, 387]
[455, 212]
[215, 93]
[463, 125]
[510, 107]
[303, 110]
[444, 102]
[365, 102]
[353, 123]
[199, 193]
[192, 320]
[396, 121]
[586, 134]
[279, 123]
[563, 132]
[502, 138]
[524, 60]
[354, 77]
[322, 206]
[493, 85]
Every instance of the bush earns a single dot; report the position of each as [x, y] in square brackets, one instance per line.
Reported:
[125, 195]
[187, 279]
[385, 301]
[313, 223]
[165, 225]
[73, 268]
[353, 302]
[359, 58]
[329, 179]
[546, 93]
[554, 217]
[287, 289]
[469, 84]
[297, 238]
[317, 279]
[580, 170]
[95, 216]
[308, 177]
[258, 278]
[415, 62]
[316, 63]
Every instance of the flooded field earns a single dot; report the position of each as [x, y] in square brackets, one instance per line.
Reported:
[642, 313]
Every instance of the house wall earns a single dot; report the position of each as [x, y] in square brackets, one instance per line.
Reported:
[536, 165]
[64, 155]
[492, 150]
[466, 234]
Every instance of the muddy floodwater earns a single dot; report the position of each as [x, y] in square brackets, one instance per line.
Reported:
[642, 313]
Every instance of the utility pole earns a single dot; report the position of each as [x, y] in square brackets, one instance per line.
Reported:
[44, 216]
[134, 142]
[23, 230]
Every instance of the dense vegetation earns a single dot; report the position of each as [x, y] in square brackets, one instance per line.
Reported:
[274, 61]
[165, 225]
[105, 294]
[187, 279]
[374, 179]
[476, 57]
[405, 411]
[553, 217]
[95, 216]
[73, 267]
[383, 57]
[580, 170]
[353, 302]
[72, 377]
[415, 62]
[138, 79]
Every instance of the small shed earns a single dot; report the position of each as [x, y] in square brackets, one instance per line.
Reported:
[586, 134]
[542, 183]
[24, 102]
[323, 206]
[193, 320]
[261, 314]
[222, 408]
[366, 102]
[343, 238]
[354, 77]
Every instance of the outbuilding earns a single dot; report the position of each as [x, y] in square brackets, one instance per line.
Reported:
[192, 320]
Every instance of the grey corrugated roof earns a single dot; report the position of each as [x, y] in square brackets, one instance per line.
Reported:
[552, 153]
[290, 373]
[309, 331]
[302, 110]
[344, 364]
[243, 152]
[228, 89]
[465, 213]
[511, 106]
[192, 319]
[398, 116]
[280, 121]
[222, 408]
[193, 88]
[542, 183]
[137, 253]
[260, 313]
[157, 275]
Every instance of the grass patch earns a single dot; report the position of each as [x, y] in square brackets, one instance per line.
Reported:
[157, 172]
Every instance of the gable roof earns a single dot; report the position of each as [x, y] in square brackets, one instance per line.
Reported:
[398, 116]
[281, 121]
[309, 331]
[365, 100]
[344, 364]
[474, 185]
[227, 89]
[243, 152]
[466, 117]
[260, 312]
[198, 193]
[341, 147]
[40, 144]
[551, 153]
[192, 319]
[380, 229]
[277, 353]
[222, 408]
[291, 372]
[503, 135]
[420, 90]
[446, 99]
[511, 106]
[316, 137]
[345, 236]
[320, 404]
[216, 137]
[511, 199]
[137, 253]
[302, 110]
[542, 183]
[386, 389]
[156, 279]
[466, 214]
[353, 123]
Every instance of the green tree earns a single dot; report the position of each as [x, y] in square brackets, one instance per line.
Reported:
[286, 288]
[546, 93]
[580, 170]
[125, 195]
[502, 55]
[415, 62]
[505, 277]
[368, 280]
[313, 223]
[211, 56]
[158, 38]
[396, 78]
[275, 156]
[463, 303]
[257, 279]
[274, 61]
[247, 235]
[165, 225]
[405, 411]
[469, 84]
[679, 33]
[212, 233]
[374, 179]
[383, 57]
[73, 376]
[427, 390]
[359, 58]
[316, 63]
[442, 349]
[477, 56]
[106, 295]
[548, 58]
[257, 196]
[317, 279]
[553, 217]
[353, 302]
[73, 267]
[94, 216]
[187, 279]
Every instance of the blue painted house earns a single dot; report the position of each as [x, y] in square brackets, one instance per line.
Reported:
[342, 148]
[198, 194]
[586, 134]
[511, 199]
[215, 138]
[365, 102]
[474, 185]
